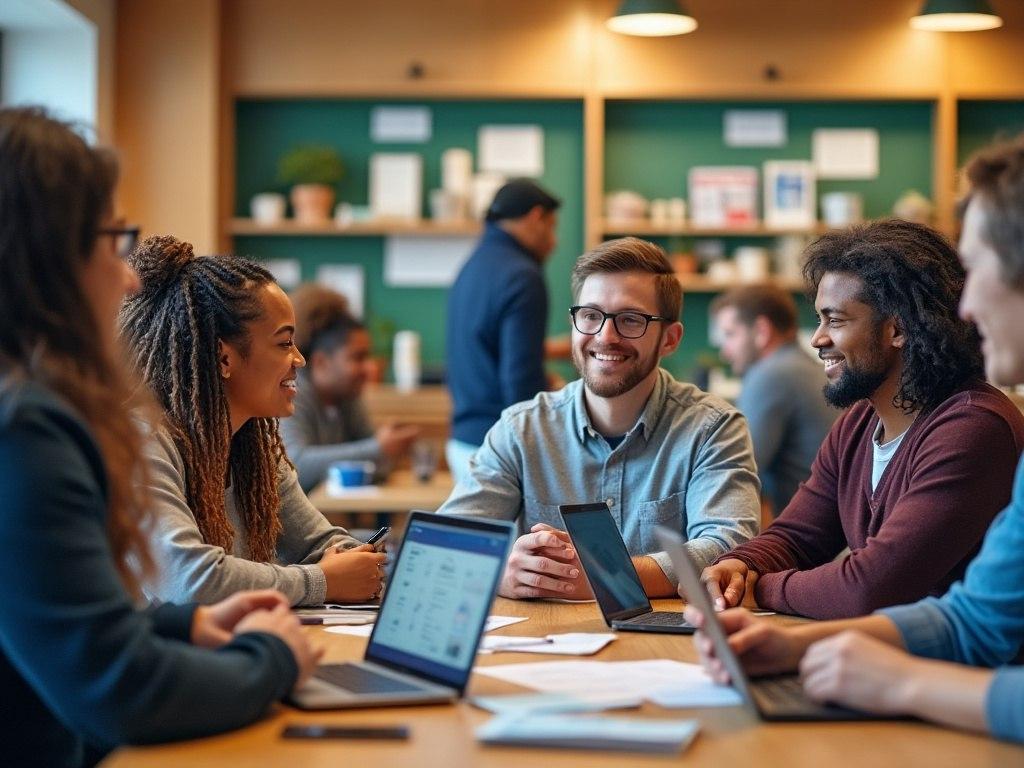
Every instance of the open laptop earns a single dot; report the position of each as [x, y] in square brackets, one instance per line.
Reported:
[609, 568]
[779, 697]
[425, 639]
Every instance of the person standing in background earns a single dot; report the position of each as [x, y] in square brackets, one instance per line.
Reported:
[497, 316]
[330, 422]
[781, 396]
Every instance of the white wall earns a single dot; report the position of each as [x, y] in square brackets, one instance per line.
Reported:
[49, 56]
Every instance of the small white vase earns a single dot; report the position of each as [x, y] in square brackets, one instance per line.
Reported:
[267, 208]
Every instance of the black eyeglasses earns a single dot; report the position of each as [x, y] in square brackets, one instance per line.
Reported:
[125, 238]
[629, 325]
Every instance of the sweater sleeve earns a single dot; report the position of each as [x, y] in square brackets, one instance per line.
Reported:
[191, 570]
[70, 629]
[1004, 704]
[808, 532]
[950, 500]
[980, 620]
[521, 339]
[312, 460]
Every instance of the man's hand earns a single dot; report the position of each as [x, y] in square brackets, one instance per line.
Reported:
[543, 563]
[730, 583]
[212, 625]
[860, 672]
[763, 647]
[396, 439]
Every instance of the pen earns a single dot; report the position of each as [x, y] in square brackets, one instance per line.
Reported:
[340, 620]
[521, 644]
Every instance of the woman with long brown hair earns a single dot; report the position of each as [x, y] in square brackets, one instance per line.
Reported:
[81, 670]
[212, 337]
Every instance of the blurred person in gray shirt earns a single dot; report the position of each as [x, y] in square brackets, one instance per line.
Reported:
[782, 386]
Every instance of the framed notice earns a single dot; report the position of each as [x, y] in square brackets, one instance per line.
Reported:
[789, 194]
[723, 196]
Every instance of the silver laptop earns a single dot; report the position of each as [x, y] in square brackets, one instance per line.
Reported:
[617, 587]
[776, 698]
[424, 641]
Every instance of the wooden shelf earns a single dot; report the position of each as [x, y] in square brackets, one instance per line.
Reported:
[696, 283]
[645, 227]
[377, 228]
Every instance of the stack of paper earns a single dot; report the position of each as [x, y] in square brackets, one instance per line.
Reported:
[493, 622]
[664, 682]
[547, 730]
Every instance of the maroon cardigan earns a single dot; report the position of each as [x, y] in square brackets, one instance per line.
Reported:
[914, 535]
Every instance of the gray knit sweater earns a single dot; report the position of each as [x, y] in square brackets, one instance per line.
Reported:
[191, 570]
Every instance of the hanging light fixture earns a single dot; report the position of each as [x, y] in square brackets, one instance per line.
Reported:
[956, 16]
[651, 18]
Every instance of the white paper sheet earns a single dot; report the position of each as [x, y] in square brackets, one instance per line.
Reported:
[347, 279]
[755, 128]
[514, 150]
[659, 678]
[400, 124]
[597, 732]
[493, 622]
[396, 185]
[567, 644]
[553, 702]
[425, 261]
[845, 153]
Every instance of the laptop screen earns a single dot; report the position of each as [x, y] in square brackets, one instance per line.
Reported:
[606, 560]
[439, 595]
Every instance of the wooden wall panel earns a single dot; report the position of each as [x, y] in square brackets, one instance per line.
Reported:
[167, 116]
[298, 47]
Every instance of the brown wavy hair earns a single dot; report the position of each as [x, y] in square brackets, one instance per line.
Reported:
[54, 192]
[171, 327]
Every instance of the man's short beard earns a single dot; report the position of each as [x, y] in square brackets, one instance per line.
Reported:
[853, 385]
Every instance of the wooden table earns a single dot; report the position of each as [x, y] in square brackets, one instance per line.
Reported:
[443, 735]
[401, 493]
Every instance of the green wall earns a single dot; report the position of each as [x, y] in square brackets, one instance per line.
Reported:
[650, 147]
[266, 129]
[982, 122]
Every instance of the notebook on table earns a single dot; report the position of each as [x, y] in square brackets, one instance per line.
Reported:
[431, 617]
[617, 588]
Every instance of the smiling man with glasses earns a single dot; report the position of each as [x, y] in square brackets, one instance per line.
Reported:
[655, 450]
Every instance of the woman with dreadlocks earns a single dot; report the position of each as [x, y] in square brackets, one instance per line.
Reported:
[212, 338]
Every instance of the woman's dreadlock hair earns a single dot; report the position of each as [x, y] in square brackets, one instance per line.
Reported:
[171, 327]
[912, 274]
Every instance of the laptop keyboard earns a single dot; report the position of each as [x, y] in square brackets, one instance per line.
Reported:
[659, 618]
[358, 679]
[780, 691]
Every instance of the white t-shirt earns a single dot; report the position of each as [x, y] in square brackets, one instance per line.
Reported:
[881, 454]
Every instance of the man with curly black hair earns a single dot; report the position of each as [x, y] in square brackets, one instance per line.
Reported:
[911, 476]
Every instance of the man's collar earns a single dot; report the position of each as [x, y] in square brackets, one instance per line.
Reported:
[646, 421]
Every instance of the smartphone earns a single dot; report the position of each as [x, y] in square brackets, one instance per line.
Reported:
[390, 732]
[379, 536]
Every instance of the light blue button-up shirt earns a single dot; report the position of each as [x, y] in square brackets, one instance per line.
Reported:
[687, 463]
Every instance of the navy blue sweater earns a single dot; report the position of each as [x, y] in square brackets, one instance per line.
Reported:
[497, 316]
[79, 664]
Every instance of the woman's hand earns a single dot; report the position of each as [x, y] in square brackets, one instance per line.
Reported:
[213, 625]
[353, 575]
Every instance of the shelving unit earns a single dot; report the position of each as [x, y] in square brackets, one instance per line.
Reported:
[643, 227]
[697, 283]
[378, 228]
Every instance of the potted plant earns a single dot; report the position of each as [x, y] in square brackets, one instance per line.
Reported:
[312, 172]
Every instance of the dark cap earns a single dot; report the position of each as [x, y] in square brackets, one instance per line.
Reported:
[517, 198]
